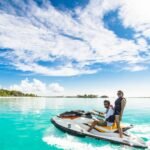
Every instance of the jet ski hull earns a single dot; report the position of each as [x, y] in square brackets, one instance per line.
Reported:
[79, 126]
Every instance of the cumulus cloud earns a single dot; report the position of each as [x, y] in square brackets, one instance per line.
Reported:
[70, 43]
[38, 87]
[136, 15]
[55, 87]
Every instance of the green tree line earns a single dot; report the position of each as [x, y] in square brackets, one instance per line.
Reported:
[4, 92]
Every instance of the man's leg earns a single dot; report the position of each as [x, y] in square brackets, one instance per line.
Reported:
[94, 123]
[99, 122]
[102, 123]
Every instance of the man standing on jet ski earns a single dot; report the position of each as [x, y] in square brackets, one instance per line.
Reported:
[109, 116]
[118, 110]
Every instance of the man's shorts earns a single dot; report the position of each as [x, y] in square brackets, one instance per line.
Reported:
[102, 123]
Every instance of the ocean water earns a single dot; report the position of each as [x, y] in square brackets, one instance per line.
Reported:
[25, 123]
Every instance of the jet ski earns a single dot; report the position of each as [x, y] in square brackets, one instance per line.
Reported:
[78, 122]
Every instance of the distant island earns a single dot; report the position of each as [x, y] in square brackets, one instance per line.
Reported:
[104, 96]
[90, 96]
[4, 92]
[87, 96]
[79, 96]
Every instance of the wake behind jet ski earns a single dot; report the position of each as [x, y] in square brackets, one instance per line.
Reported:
[78, 122]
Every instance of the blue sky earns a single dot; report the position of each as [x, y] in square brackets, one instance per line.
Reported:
[69, 47]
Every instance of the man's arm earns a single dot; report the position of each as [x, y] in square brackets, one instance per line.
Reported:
[123, 104]
[101, 114]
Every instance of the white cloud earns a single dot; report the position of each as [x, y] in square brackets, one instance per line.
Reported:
[38, 87]
[55, 87]
[135, 68]
[49, 35]
[136, 14]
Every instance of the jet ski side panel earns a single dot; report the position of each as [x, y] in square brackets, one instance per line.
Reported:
[70, 131]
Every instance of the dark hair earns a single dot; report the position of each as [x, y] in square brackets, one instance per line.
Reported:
[121, 92]
[107, 101]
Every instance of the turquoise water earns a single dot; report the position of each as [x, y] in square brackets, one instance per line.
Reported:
[25, 123]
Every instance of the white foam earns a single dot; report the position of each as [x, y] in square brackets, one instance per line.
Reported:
[148, 144]
[141, 131]
[141, 128]
[69, 143]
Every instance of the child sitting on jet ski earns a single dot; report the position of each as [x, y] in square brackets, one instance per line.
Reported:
[108, 115]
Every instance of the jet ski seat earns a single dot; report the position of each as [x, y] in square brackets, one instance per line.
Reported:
[112, 128]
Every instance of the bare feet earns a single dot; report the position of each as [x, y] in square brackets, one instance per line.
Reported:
[89, 130]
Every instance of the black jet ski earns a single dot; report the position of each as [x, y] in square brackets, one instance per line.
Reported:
[78, 122]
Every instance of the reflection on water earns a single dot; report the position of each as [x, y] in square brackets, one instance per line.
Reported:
[37, 105]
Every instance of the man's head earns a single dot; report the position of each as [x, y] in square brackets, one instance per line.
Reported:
[106, 103]
[120, 93]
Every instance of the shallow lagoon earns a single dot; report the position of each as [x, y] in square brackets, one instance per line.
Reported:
[25, 123]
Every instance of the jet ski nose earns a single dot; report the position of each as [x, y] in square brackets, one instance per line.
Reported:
[142, 143]
[144, 146]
